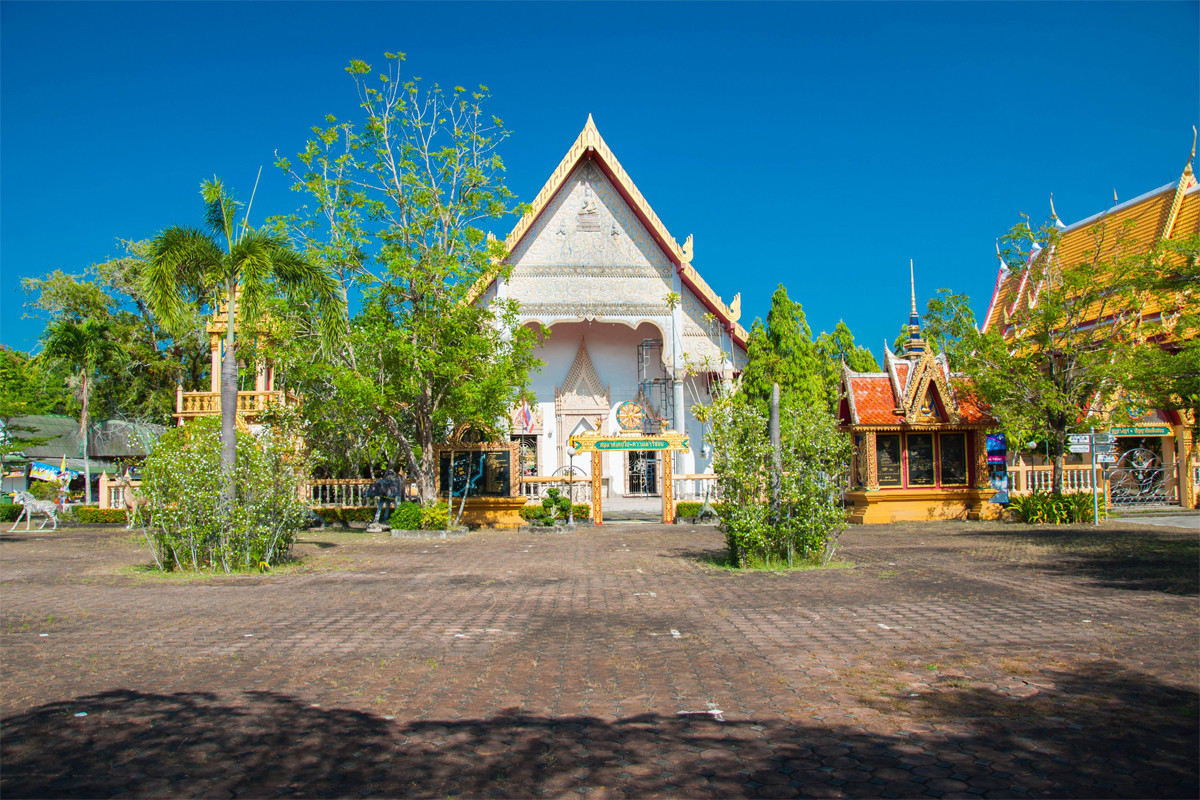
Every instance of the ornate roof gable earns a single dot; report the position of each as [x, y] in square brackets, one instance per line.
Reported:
[928, 392]
[589, 146]
[582, 388]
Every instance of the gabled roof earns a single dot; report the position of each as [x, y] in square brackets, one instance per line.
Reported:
[897, 397]
[590, 146]
[1168, 212]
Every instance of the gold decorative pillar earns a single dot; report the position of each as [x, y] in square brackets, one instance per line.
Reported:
[981, 466]
[597, 483]
[668, 490]
[872, 462]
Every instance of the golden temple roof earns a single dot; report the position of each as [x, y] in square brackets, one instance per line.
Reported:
[1169, 212]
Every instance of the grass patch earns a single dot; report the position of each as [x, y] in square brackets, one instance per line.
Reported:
[152, 574]
[722, 561]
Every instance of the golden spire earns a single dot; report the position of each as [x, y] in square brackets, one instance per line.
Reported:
[1053, 213]
[915, 344]
[1188, 169]
[912, 285]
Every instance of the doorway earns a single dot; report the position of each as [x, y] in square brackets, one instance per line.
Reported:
[642, 471]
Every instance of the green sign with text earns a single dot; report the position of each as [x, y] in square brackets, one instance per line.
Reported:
[1143, 430]
[636, 444]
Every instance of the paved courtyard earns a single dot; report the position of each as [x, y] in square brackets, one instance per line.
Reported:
[951, 660]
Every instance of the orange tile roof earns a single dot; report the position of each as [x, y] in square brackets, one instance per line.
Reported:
[874, 397]
[873, 400]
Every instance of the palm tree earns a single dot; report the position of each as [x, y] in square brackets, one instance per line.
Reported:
[85, 348]
[244, 266]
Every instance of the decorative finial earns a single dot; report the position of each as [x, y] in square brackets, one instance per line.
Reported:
[1116, 202]
[915, 344]
[1053, 213]
[1188, 169]
[912, 285]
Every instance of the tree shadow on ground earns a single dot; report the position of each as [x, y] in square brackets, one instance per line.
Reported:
[1096, 732]
[314, 543]
[1115, 557]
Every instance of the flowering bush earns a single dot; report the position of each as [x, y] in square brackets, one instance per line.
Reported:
[815, 457]
[194, 527]
[96, 514]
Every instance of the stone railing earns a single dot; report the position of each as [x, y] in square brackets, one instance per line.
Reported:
[580, 488]
[689, 487]
[202, 404]
[1023, 479]
[341, 492]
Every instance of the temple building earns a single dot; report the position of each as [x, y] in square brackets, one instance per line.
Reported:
[919, 445]
[1157, 458]
[629, 319]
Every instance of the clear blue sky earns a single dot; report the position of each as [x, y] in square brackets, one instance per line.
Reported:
[818, 145]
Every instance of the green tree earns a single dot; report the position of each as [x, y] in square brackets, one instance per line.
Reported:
[21, 395]
[835, 349]
[1157, 360]
[411, 186]
[244, 267]
[150, 361]
[85, 348]
[815, 458]
[783, 352]
[1055, 372]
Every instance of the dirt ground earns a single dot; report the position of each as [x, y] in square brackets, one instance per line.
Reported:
[949, 660]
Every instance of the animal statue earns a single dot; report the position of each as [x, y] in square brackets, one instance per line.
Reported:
[31, 505]
[386, 490]
[134, 500]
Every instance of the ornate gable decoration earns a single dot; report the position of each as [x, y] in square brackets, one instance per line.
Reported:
[589, 147]
[928, 394]
[582, 390]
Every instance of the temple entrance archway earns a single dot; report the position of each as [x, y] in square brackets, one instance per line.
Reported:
[631, 438]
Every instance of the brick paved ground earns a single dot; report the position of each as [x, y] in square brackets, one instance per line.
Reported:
[956, 660]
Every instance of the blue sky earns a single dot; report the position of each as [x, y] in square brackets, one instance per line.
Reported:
[818, 145]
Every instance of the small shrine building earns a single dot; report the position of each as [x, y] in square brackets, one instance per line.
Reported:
[629, 319]
[919, 447]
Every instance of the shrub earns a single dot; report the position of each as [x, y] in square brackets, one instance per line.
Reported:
[191, 525]
[435, 517]
[406, 517]
[93, 514]
[691, 508]
[532, 513]
[344, 516]
[43, 490]
[540, 515]
[1040, 507]
[556, 504]
[10, 513]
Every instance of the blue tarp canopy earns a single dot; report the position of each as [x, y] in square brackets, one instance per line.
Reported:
[48, 472]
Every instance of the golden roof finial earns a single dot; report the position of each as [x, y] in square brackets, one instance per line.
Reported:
[912, 285]
[1188, 169]
[1053, 213]
[1116, 202]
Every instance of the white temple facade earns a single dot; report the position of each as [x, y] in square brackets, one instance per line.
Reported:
[628, 319]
